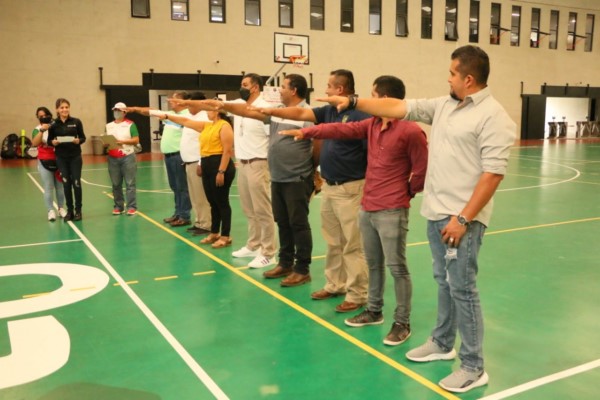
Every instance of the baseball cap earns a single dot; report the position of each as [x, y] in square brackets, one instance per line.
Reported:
[119, 106]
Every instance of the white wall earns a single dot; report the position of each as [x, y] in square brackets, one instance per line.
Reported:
[53, 48]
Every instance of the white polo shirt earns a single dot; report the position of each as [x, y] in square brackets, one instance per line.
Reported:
[190, 140]
[251, 136]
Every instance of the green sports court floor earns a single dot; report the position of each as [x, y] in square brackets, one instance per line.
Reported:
[127, 308]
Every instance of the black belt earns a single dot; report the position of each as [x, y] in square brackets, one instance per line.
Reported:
[337, 183]
[250, 161]
[175, 153]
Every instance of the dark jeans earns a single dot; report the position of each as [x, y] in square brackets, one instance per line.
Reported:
[70, 169]
[218, 196]
[178, 184]
[290, 210]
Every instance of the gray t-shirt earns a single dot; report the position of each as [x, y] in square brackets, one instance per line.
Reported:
[289, 160]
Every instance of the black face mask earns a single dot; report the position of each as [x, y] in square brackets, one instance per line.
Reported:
[245, 93]
[46, 119]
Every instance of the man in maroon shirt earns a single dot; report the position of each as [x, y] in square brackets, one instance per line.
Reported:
[396, 165]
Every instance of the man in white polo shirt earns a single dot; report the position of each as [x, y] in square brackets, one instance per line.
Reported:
[251, 144]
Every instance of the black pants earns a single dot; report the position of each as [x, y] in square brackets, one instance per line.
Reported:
[70, 169]
[290, 210]
[218, 196]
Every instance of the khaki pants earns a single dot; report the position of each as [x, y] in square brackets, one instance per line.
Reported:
[345, 265]
[254, 187]
[198, 197]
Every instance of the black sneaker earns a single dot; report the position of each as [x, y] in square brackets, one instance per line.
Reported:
[198, 231]
[365, 318]
[398, 334]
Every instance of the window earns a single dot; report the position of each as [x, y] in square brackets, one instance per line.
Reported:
[317, 15]
[534, 37]
[553, 43]
[589, 32]
[140, 8]
[474, 21]
[426, 18]
[252, 12]
[179, 10]
[402, 18]
[375, 17]
[495, 24]
[515, 26]
[216, 11]
[347, 20]
[572, 33]
[450, 30]
[286, 13]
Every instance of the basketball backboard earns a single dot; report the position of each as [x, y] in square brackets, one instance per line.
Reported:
[287, 45]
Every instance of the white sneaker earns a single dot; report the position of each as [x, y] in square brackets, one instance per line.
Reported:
[51, 216]
[261, 261]
[62, 212]
[246, 252]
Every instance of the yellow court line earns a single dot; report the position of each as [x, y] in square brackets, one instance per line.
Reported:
[128, 283]
[27, 296]
[165, 278]
[382, 357]
[83, 288]
[526, 228]
[204, 273]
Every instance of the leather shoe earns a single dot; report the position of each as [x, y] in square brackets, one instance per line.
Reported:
[195, 231]
[347, 306]
[323, 294]
[170, 219]
[277, 272]
[180, 222]
[295, 279]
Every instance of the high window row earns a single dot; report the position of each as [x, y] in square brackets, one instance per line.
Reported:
[252, 16]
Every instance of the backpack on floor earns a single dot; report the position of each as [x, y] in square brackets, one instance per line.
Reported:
[9, 146]
[24, 147]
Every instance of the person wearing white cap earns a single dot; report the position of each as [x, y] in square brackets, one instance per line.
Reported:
[122, 164]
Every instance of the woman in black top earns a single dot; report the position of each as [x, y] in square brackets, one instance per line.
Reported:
[66, 135]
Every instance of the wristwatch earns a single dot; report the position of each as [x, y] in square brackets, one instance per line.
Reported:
[220, 171]
[462, 220]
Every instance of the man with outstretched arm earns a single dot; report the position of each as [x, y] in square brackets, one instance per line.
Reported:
[469, 146]
[343, 165]
[397, 160]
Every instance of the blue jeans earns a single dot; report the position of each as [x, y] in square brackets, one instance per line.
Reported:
[123, 169]
[178, 184]
[51, 184]
[458, 298]
[384, 241]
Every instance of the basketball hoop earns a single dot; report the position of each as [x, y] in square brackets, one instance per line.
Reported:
[298, 61]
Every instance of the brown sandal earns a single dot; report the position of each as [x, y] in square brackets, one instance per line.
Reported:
[213, 237]
[222, 242]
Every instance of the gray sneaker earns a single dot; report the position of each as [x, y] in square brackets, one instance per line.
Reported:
[398, 334]
[365, 318]
[462, 380]
[430, 352]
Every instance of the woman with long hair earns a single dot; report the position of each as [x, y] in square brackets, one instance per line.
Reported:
[216, 169]
[66, 135]
[47, 165]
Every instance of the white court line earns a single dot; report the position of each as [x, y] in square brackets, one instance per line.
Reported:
[577, 174]
[39, 244]
[187, 358]
[543, 381]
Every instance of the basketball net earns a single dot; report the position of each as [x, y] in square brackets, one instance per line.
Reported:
[270, 93]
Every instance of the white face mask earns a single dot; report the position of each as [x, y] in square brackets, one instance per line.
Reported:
[118, 114]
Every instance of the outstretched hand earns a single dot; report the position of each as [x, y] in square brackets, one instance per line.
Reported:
[296, 133]
[340, 102]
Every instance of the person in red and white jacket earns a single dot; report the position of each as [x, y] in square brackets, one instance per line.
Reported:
[122, 164]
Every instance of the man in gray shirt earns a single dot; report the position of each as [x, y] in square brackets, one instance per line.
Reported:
[292, 172]
[469, 147]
